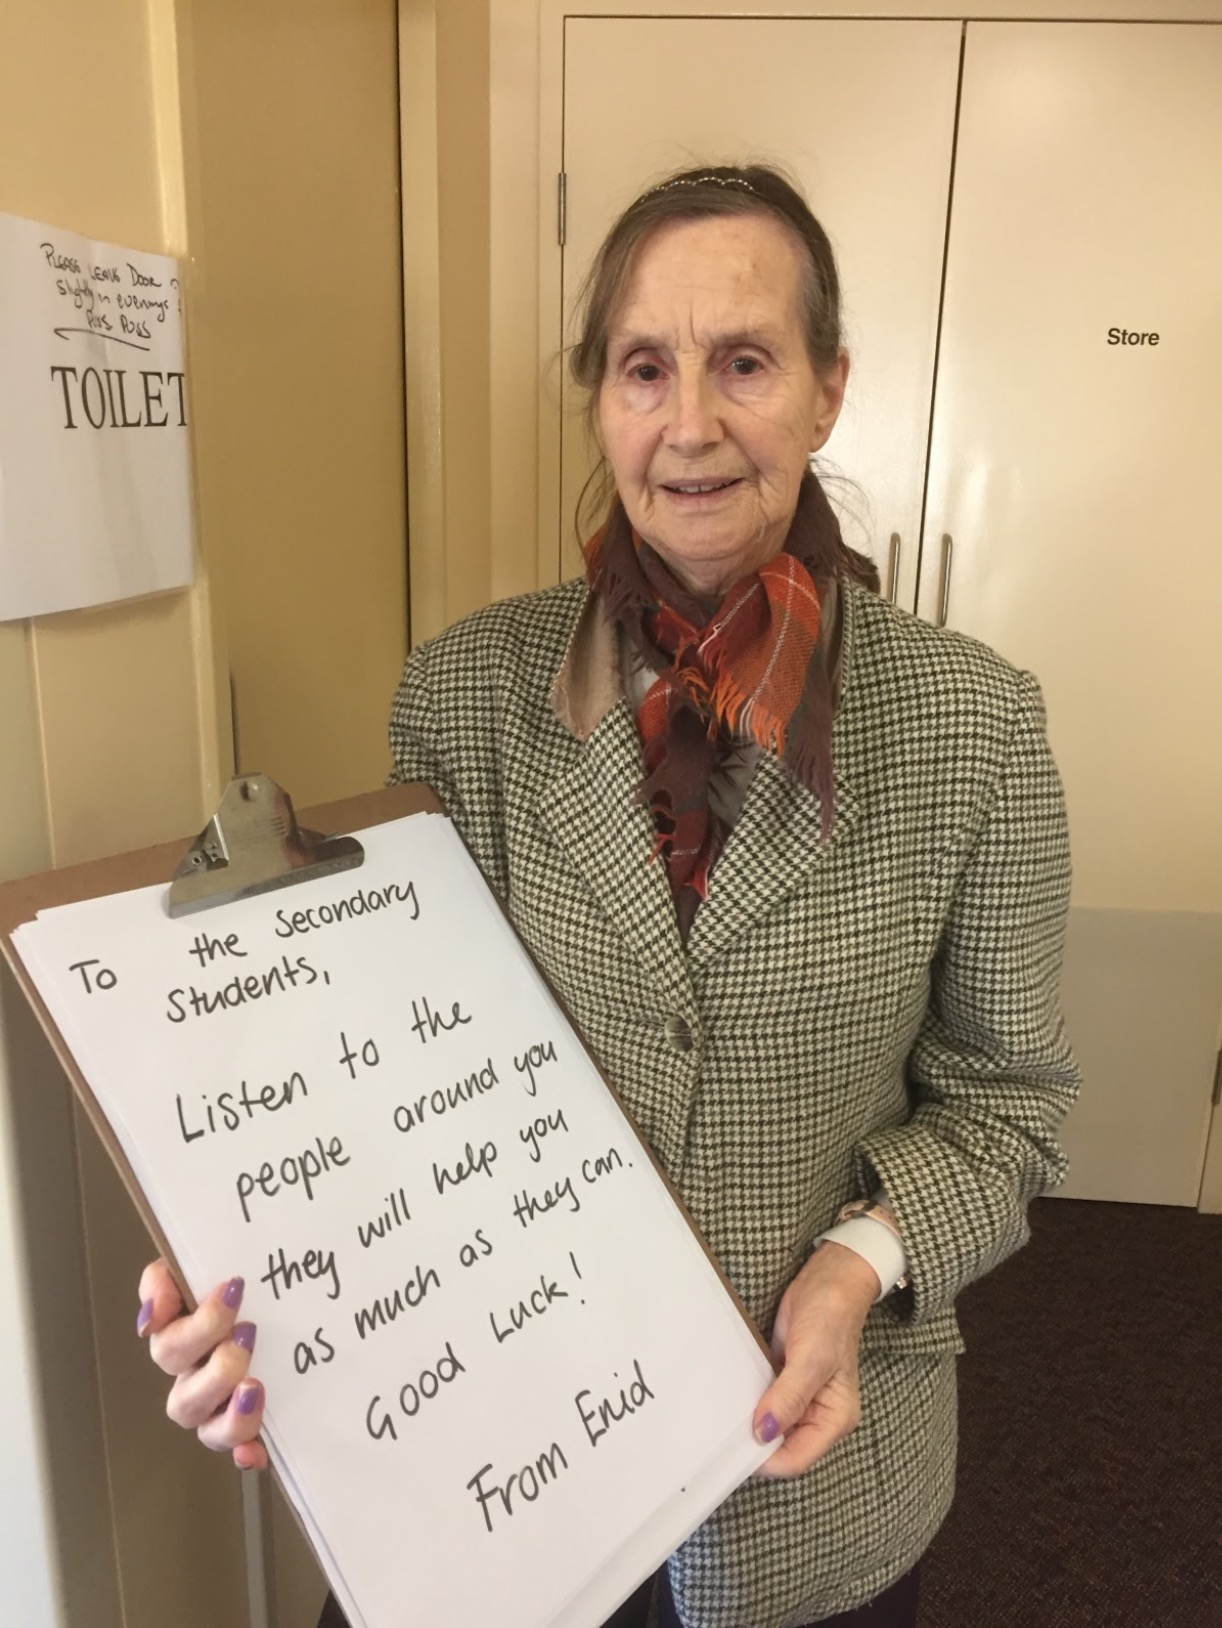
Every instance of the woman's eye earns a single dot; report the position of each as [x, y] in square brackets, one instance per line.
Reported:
[744, 366]
[646, 372]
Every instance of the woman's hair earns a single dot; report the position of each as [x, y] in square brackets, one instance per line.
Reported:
[705, 194]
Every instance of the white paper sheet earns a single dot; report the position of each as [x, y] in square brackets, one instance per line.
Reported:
[508, 1382]
[95, 492]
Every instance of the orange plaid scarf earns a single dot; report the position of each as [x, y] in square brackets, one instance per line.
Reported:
[751, 665]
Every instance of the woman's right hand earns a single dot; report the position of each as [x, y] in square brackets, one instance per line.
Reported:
[208, 1353]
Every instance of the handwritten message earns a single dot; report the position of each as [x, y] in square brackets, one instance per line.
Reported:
[91, 350]
[503, 1379]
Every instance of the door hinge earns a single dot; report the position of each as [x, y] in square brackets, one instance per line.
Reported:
[562, 206]
[1217, 1097]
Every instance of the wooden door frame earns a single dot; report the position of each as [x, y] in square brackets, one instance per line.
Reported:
[468, 216]
[418, 196]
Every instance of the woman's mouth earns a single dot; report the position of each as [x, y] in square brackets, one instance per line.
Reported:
[696, 489]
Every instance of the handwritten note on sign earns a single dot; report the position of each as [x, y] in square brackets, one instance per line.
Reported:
[93, 423]
[503, 1379]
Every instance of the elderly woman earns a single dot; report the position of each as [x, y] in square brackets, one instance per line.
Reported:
[796, 862]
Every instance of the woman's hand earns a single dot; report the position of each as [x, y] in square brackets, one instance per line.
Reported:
[208, 1352]
[815, 1400]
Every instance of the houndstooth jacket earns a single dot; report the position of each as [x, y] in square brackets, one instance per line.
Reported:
[879, 1008]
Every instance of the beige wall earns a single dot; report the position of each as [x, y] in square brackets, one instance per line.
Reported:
[109, 740]
[261, 143]
[294, 295]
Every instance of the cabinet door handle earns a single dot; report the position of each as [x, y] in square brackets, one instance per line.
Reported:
[948, 559]
[893, 566]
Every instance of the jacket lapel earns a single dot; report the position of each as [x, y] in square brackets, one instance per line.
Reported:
[590, 813]
[776, 845]
[773, 848]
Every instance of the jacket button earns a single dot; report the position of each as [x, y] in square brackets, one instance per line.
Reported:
[678, 1032]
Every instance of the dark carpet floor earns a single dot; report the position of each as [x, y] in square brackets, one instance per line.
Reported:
[1090, 1469]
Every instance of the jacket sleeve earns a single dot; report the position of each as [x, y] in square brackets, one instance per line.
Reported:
[445, 731]
[991, 1073]
[416, 746]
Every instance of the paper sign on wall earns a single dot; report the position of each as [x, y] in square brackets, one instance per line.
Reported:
[503, 1378]
[95, 497]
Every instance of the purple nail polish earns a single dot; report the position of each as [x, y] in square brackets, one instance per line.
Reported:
[234, 1290]
[244, 1335]
[249, 1396]
[144, 1316]
[768, 1429]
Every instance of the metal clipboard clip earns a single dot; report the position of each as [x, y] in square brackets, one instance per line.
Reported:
[253, 844]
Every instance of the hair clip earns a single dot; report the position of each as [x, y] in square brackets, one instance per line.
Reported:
[701, 180]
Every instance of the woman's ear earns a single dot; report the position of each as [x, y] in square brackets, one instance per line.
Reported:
[831, 398]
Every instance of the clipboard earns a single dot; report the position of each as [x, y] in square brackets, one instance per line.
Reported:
[228, 860]
[22, 899]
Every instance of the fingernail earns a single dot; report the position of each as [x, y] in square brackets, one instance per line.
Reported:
[250, 1394]
[145, 1316]
[234, 1290]
[244, 1335]
[767, 1430]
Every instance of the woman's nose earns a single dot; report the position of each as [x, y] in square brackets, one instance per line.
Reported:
[695, 423]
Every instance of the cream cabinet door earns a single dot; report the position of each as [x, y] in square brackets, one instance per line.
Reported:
[862, 113]
[1075, 468]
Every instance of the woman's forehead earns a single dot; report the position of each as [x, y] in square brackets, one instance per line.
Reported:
[725, 279]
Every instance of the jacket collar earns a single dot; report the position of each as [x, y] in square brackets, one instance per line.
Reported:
[589, 680]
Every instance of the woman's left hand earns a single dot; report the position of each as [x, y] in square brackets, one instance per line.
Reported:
[815, 1400]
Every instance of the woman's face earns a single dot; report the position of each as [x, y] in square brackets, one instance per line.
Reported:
[710, 406]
